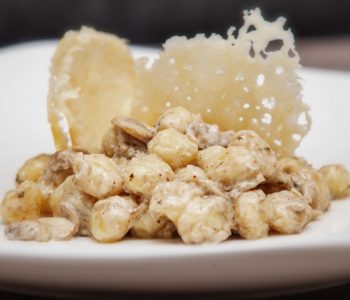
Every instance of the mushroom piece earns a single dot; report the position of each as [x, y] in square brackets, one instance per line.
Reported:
[118, 144]
[203, 134]
[68, 202]
[193, 174]
[139, 131]
[41, 230]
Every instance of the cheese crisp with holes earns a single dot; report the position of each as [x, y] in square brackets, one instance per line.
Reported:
[246, 81]
[198, 146]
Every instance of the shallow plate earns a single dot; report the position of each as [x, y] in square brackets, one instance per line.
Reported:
[319, 255]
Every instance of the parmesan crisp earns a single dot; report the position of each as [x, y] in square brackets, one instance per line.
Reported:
[92, 79]
[246, 81]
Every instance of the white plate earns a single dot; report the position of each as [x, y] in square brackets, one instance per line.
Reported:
[321, 254]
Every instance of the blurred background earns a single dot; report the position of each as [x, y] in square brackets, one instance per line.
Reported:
[321, 27]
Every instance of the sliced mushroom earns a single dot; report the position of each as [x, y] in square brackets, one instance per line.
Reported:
[61, 161]
[196, 175]
[59, 168]
[29, 230]
[117, 143]
[40, 230]
[203, 134]
[225, 137]
[68, 202]
[134, 128]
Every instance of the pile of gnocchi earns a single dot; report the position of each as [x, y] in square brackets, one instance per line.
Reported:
[181, 178]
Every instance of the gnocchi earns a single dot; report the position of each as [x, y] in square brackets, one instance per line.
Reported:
[173, 147]
[249, 218]
[23, 203]
[33, 169]
[143, 172]
[112, 218]
[183, 178]
[234, 167]
[97, 175]
[338, 180]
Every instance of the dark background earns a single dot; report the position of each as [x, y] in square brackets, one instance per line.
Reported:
[321, 27]
[152, 21]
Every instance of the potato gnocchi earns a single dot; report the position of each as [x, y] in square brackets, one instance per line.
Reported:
[199, 189]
